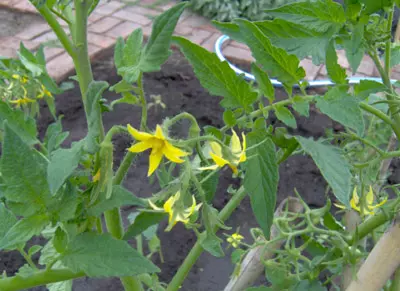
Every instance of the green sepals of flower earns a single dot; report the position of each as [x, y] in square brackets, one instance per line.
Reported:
[103, 176]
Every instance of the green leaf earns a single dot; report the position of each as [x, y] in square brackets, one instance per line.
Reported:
[332, 165]
[132, 52]
[301, 105]
[127, 98]
[230, 29]
[342, 107]
[276, 61]
[261, 179]
[216, 76]
[24, 171]
[142, 222]
[372, 6]
[309, 286]
[331, 223]
[297, 39]
[93, 96]
[60, 240]
[30, 62]
[119, 53]
[23, 231]
[60, 286]
[7, 220]
[33, 250]
[212, 244]
[368, 87]
[210, 185]
[119, 197]
[237, 255]
[24, 126]
[157, 49]
[284, 115]
[54, 136]
[320, 15]
[394, 55]
[261, 288]
[354, 47]
[25, 271]
[229, 118]
[264, 83]
[62, 164]
[105, 256]
[335, 71]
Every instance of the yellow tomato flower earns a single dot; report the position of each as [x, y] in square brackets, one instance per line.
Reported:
[238, 154]
[44, 92]
[22, 79]
[235, 239]
[355, 202]
[22, 101]
[176, 212]
[159, 147]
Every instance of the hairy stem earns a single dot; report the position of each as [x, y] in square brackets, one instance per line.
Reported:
[39, 278]
[197, 249]
[389, 42]
[142, 97]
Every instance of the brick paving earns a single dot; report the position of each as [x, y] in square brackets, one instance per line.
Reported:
[114, 18]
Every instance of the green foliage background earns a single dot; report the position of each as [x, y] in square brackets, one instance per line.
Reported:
[226, 10]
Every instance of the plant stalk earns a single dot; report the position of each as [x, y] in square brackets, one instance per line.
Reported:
[142, 97]
[380, 264]
[197, 249]
[39, 278]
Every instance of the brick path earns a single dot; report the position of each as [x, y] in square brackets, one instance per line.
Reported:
[113, 18]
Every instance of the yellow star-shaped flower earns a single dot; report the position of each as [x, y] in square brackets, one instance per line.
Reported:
[355, 202]
[22, 101]
[160, 147]
[176, 211]
[237, 154]
[235, 239]
[44, 92]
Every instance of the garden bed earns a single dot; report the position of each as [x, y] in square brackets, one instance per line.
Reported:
[180, 91]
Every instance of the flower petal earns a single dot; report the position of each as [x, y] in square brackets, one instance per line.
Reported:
[140, 147]
[216, 148]
[168, 204]
[355, 199]
[236, 147]
[379, 204]
[213, 167]
[370, 196]
[339, 206]
[159, 133]
[138, 135]
[173, 153]
[154, 161]
[219, 160]
[243, 156]
[234, 168]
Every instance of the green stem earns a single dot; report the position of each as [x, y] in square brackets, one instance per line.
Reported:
[396, 281]
[58, 30]
[389, 42]
[131, 284]
[27, 258]
[123, 168]
[375, 221]
[39, 278]
[142, 97]
[197, 249]
[377, 113]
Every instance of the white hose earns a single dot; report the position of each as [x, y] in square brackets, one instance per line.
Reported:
[311, 84]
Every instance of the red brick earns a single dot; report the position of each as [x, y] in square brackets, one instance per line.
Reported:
[8, 52]
[10, 41]
[130, 16]
[51, 52]
[104, 24]
[45, 37]
[94, 17]
[209, 27]
[9, 3]
[199, 36]
[109, 8]
[209, 44]
[185, 15]
[238, 44]
[311, 69]
[33, 31]
[60, 67]
[238, 54]
[183, 30]
[25, 6]
[142, 10]
[147, 31]
[342, 59]
[100, 40]
[168, 6]
[93, 50]
[196, 21]
[124, 29]
[367, 66]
